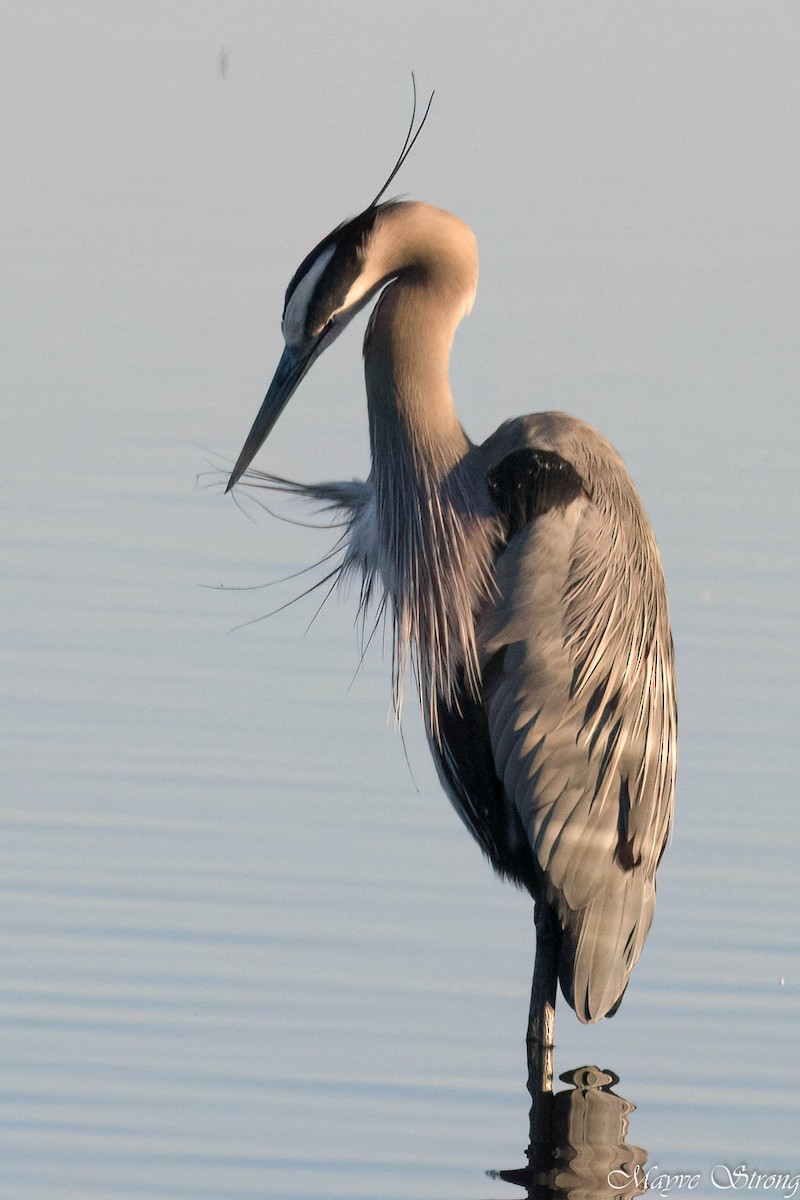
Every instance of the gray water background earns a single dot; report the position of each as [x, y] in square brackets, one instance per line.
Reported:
[246, 947]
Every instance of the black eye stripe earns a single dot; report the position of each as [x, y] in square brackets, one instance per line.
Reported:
[341, 271]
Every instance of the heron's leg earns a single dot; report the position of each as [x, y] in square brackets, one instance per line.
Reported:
[541, 1030]
[542, 1017]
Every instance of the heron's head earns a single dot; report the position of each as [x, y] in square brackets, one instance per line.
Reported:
[330, 286]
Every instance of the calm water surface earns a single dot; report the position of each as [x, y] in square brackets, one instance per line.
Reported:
[247, 948]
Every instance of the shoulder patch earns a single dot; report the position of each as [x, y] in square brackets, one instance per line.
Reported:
[527, 483]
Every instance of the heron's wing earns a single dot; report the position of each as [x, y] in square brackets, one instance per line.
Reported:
[579, 700]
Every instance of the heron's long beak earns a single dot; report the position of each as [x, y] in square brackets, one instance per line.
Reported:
[291, 369]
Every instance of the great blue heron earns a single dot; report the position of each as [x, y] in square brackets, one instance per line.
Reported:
[525, 586]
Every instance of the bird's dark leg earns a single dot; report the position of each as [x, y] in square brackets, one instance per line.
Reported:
[541, 1027]
[542, 1017]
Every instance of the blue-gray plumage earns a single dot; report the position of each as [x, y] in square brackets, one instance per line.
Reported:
[525, 590]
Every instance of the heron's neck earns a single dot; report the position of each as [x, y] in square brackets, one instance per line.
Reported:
[408, 343]
[434, 553]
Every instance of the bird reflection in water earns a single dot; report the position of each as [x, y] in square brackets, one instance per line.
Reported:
[578, 1148]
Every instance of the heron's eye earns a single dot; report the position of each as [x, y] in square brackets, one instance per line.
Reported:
[317, 332]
